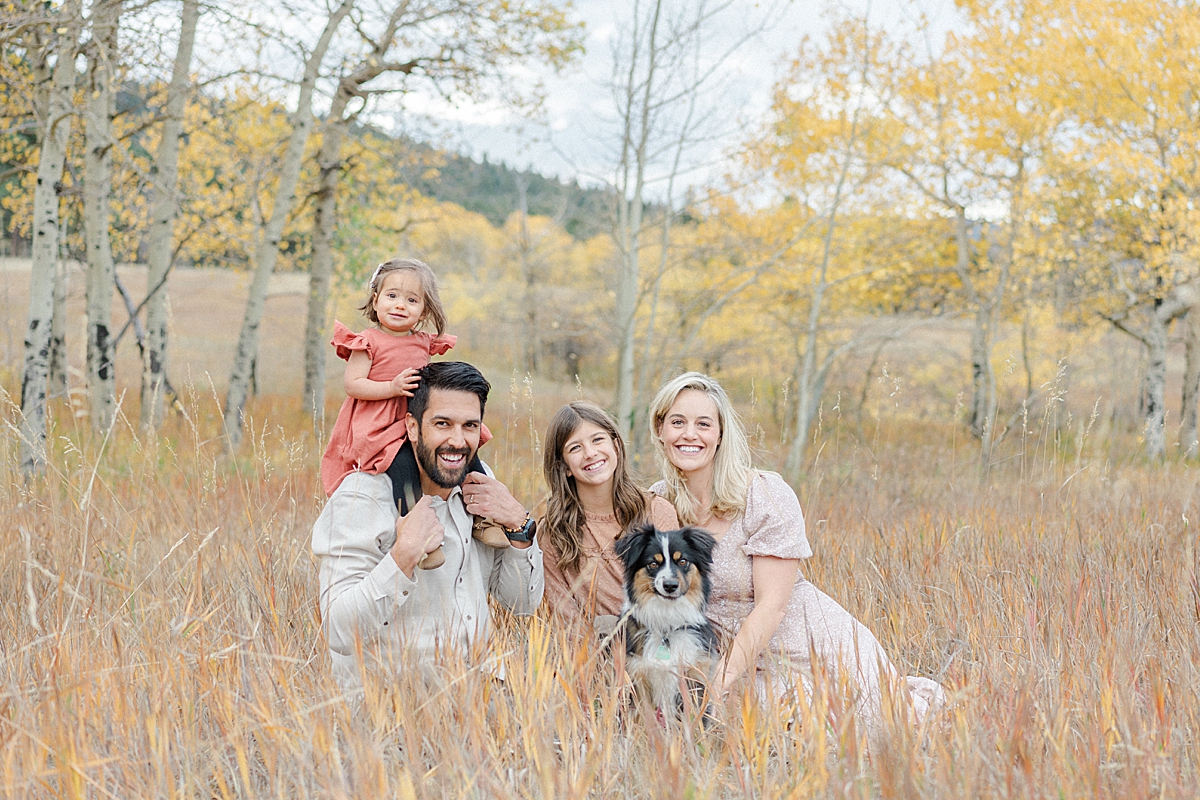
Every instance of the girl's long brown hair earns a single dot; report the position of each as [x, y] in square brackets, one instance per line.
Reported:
[565, 519]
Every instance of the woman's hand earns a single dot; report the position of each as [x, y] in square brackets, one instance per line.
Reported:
[773, 580]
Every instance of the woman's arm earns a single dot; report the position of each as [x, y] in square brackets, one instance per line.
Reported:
[359, 386]
[773, 579]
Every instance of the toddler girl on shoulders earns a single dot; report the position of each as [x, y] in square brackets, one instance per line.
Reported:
[381, 372]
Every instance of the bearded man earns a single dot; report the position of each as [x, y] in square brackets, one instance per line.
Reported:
[372, 590]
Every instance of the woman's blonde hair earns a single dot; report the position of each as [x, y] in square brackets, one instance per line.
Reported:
[732, 468]
[435, 312]
[565, 519]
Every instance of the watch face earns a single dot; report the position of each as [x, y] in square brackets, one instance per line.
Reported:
[526, 532]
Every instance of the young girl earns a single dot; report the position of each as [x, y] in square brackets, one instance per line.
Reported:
[381, 372]
[593, 501]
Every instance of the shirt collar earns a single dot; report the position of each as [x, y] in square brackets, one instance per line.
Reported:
[457, 490]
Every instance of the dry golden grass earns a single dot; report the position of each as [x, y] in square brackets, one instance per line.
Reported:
[161, 636]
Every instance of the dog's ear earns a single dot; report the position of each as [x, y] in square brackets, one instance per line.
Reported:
[701, 542]
[632, 545]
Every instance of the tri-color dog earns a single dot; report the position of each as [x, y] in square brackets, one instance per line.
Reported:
[669, 642]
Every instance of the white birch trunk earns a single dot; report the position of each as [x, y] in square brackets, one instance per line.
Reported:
[267, 247]
[1175, 305]
[329, 160]
[658, 96]
[808, 396]
[56, 129]
[58, 383]
[1154, 339]
[529, 279]
[160, 238]
[97, 203]
[636, 127]
[628, 285]
[1155, 387]
[1188, 433]
[982, 373]
[811, 378]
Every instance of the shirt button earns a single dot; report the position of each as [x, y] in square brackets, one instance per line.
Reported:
[468, 617]
[385, 624]
[405, 593]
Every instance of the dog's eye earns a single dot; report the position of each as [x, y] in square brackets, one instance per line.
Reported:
[681, 562]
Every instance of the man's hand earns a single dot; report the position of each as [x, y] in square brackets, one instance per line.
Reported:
[488, 497]
[417, 533]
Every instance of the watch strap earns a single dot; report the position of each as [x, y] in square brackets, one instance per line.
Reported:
[525, 532]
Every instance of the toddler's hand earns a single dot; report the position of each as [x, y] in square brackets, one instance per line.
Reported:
[404, 383]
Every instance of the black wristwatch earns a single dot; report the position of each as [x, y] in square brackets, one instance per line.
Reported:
[524, 533]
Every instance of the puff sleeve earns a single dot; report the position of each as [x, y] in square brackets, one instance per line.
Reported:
[773, 521]
[346, 341]
[438, 345]
[662, 513]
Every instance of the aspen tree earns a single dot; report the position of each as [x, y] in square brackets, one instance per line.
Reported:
[55, 129]
[456, 47]
[266, 249]
[102, 56]
[160, 237]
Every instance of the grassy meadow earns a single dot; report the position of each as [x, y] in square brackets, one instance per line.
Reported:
[160, 635]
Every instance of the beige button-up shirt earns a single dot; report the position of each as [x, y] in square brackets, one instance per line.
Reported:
[364, 593]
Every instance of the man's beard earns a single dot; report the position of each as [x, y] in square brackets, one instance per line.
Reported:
[429, 464]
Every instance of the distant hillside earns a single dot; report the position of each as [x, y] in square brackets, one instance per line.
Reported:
[490, 189]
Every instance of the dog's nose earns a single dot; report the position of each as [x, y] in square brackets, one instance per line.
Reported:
[670, 585]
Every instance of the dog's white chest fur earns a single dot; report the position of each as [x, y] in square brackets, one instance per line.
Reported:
[669, 651]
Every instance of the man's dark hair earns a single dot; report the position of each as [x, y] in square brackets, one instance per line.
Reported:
[454, 376]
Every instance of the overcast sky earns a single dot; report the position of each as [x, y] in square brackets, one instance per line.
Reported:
[573, 140]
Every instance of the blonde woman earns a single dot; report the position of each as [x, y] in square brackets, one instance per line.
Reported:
[771, 617]
[592, 502]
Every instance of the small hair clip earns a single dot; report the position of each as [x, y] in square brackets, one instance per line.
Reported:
[374, 275]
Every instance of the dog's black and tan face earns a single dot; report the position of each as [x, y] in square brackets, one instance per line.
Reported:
[670, 565]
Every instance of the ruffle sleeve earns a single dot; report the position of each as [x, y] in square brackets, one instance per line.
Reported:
[346, 341]
[773, 521]
[441, 343]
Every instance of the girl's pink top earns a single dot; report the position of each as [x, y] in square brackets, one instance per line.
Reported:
[368, 433]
